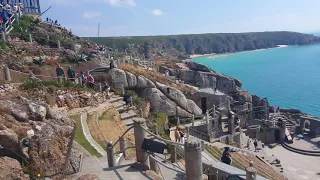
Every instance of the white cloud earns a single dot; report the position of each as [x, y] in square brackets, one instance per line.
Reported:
[157, 12]
[62, 1]
[118, 3]
[91, 14]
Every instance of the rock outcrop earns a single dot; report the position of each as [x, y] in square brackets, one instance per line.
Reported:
[40, 138]
[161, 103]
[145, 83]
[178, 97]
[131, 79]
[10, 169]
[119, 78]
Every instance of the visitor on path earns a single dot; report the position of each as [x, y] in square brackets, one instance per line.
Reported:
[81, 76]
[255, 143]
[90, 81]
[248, 144]
[107, 88]
[71, 74]
[182, 136]
[112, 64]
[226, 157]
[127, 99]
[177, 134]
[278, 110]
[59, 71]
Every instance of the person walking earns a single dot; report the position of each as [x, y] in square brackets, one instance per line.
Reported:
[71, 74]
[255, 143]
[127, 99]
[107, 88]
[181, 133]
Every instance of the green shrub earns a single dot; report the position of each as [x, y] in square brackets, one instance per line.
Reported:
[34, 84]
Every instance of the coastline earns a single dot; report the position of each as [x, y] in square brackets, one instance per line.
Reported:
[227, 54]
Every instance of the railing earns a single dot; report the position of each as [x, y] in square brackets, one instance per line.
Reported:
[8, 26]
[122, 153]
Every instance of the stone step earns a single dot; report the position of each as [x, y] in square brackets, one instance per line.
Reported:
[115, 99]
[123, 109]
[129, 114]
[118, 105]
[127, 122]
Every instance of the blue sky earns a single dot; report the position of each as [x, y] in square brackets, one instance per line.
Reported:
[161, 17]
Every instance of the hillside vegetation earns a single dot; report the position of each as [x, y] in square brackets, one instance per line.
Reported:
[181, 46]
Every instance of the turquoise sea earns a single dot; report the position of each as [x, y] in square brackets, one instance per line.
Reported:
[288, 77]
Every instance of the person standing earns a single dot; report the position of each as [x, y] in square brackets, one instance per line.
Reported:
[181, 133]
[107, 88]
[71, 74]
[248, 144]
[177, 134]
[59, 71]
[90, 80]
[255, 143]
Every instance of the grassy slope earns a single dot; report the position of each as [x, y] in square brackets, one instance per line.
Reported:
[81, 139]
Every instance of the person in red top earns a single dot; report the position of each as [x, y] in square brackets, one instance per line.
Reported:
[90, 81]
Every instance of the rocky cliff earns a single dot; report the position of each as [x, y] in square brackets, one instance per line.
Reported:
[162, 97]
[181, 46]
[33, 135]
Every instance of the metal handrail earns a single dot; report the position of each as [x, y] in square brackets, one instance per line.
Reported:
[118, 152]
[150, 156]
[161, 139]
[122, 136]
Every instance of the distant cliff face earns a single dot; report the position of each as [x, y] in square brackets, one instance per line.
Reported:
[181, 46]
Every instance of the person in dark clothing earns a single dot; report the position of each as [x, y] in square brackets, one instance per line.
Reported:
[127, 99]
[112, 64]
[226, 158]
[255, 143]
[71, 74]
[59, 71]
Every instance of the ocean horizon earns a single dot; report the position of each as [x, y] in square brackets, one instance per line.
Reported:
[288, 77]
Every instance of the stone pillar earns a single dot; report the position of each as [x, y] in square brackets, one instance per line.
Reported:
[59, 44]
[208, 123]
[231, 128]
[4, 28]
[110, 154]
[188, 132]
[99, 87]
[202, 146]
[139, 135]
[178, 121]
[123, 146]
[193, 160]
[7, 75]
[3, 36]
[251, 172]
[153, 165]
[173, 151]
[30, 38]
[192, 120]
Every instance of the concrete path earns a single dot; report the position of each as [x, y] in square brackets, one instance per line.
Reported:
[88, 136]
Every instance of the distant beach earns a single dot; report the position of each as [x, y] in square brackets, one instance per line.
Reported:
[226, 54]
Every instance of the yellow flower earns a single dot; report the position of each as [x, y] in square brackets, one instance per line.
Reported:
[38, 175]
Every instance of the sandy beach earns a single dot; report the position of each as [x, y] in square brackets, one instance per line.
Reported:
[226, 54]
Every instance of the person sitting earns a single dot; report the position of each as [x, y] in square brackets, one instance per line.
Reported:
[226, 157]
[90, 81]
[71, 74]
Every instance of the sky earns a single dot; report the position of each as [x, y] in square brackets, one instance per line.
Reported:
[163, 17]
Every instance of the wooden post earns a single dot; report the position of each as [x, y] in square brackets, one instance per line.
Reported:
[173, 151]
[251, 172]
[123, 146]
[3, 36]
[80, 80]
[10, 22]
[139, 135]
[207, 122]
[228, 104]
[187, 129]
[100, 87]
[156, 126]
[16, 14]
[110, 154]
[202, 146]
[7, 75]
[178, 121]
[30, 38]
[4, 28]
[153, 164]
[60, 79]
